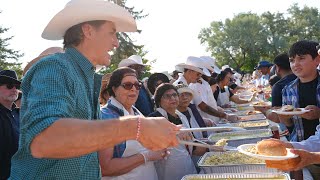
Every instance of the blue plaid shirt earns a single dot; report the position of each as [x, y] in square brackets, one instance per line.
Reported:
[62, 85]
[290, 96]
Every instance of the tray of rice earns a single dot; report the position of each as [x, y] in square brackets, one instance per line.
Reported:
[232, 162]
[245, 176]
[237, 138]
[259, 124]
[252, 117]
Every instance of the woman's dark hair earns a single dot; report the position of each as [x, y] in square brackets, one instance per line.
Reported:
[154, 78]
[214, 75]
[304, 47]
[74, 35]
[161, 89]
[104, 95]
[221, 76]
[116, 78]
[206, 78]
[212, 81]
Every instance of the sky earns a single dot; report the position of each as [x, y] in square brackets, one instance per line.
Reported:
[169, 33]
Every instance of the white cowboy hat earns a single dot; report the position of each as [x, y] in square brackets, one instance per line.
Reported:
[134, 59]
[79, 11]
[212, 63]
[225, 67]
[182, 88]
[193, 63]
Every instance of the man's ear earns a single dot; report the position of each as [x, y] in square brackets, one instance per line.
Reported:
[317, 59]
[87, 30]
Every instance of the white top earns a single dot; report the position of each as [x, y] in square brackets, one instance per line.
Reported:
[144, 171]
[204, 94]
[223, 97]
[179, 162]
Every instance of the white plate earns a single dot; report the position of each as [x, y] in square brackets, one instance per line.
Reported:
[291, 112]
[266, 104]
[242, 149]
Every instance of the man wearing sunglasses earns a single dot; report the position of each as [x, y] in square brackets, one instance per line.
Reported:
[9, 120]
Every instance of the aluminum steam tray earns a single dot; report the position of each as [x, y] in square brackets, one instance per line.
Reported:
[266, 176]
[238, 138]
[252, 117]
[237, 167]
[259, 124]
[245, 113]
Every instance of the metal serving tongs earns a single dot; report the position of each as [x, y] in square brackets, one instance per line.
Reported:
[217, 129]
[199, 143]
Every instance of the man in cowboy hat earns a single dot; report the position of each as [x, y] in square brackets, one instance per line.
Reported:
[192, 70]
[59, 136]
[144, 103]
[9, 120]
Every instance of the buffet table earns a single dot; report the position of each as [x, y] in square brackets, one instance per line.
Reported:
[255, 124]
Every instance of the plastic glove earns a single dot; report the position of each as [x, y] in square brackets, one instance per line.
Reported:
[155, 155]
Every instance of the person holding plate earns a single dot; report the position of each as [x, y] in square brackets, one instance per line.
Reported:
[303, 92]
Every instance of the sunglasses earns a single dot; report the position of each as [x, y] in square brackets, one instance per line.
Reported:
[10, 86]
[128, 86]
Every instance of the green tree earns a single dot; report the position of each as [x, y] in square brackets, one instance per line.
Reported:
[127, 46]
[277, 30]
[9, 57]
[247, 38]
[236, 41]
[304, 23]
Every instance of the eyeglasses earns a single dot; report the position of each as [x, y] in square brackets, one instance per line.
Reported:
[10, 86]
[185, 94]
[168, 96]
[129, 85]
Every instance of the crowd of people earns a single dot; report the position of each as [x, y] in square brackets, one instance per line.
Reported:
[73, 123]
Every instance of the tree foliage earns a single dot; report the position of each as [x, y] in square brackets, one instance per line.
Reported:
[8, 57]
[248, 38]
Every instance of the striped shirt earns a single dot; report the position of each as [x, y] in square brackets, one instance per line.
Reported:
[62, 85]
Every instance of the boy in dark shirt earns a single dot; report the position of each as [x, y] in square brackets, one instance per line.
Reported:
[303, 92]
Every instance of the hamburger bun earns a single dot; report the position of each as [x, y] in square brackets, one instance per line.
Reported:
[271, 147]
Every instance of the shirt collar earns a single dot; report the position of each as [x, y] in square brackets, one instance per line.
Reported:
[84, 64]
[117, 104]
[12, 107]
[182, 79]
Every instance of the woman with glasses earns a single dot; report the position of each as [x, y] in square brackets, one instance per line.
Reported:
[193, 116]
[128, 160]
[179, 163]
